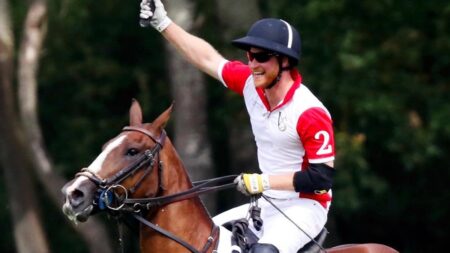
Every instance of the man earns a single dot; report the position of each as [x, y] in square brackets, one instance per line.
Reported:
[292, 128]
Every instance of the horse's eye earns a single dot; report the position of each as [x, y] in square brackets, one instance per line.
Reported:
[132, 152]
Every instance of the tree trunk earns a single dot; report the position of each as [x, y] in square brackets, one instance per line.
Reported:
[236, 17]
[235, 22]
[29, 234]
[94, 232]
[190, 114]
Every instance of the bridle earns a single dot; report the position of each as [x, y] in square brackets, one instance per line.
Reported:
[137, 205]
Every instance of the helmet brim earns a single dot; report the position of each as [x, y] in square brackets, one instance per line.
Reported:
[245, 43]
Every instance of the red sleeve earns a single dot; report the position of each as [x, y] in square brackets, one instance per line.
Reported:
[234, 75]
[315, 129]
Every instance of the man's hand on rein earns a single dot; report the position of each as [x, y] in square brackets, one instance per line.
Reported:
[250, 184]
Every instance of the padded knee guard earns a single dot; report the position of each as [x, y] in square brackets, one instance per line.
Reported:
[263, 248]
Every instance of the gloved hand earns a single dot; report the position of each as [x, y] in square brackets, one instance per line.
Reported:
[158, 18]
[250, 184]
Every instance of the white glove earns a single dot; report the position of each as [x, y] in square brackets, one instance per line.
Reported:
[158, 18]
[252, 183]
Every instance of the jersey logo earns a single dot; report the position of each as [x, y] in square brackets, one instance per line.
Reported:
[281, 122]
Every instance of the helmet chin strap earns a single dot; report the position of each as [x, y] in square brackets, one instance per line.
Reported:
[280, 71]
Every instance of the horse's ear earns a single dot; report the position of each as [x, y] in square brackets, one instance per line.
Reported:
[135, 113]
[162, 119]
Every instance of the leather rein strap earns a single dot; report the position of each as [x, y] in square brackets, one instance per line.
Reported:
[200, 187]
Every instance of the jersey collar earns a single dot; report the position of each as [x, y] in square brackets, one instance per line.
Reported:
[297, 81]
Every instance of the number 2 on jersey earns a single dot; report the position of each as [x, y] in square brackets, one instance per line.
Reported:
[326, 147]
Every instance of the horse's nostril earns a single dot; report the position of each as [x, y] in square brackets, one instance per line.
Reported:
[76, 198]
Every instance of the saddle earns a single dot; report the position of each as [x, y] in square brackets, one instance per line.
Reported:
[244, 238]
[312, 247]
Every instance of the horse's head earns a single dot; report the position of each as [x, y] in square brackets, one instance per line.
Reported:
[127, 162]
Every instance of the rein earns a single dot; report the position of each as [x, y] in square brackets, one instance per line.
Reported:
[199, 188]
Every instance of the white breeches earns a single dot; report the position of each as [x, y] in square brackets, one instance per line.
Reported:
[277, 230]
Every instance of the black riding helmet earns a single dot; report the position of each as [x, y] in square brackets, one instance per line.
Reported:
[275, 35]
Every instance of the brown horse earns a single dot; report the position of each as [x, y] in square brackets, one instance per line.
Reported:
[139, 172]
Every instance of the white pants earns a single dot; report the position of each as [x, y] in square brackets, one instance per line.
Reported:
[277, 230]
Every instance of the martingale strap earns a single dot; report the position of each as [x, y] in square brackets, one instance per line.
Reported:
[213, 236]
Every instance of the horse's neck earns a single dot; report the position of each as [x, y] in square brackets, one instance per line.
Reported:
[187, 219]
[182, 216]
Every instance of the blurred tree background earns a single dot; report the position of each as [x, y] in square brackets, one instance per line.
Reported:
[381, 67]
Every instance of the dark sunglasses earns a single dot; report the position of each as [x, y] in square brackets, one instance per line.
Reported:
[260, 57]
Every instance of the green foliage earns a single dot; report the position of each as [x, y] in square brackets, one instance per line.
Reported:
[355, 181]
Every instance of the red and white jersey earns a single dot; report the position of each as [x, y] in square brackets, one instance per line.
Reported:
[290, 136]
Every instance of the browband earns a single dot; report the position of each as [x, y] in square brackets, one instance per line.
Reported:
[160, 140]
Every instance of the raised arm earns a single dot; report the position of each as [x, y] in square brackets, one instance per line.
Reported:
[194, 49]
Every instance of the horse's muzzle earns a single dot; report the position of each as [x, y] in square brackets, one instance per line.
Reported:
[79, 195]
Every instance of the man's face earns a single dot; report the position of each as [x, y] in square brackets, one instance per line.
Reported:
[264, 66]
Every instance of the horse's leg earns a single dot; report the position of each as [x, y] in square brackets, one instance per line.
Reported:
[362, 248]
